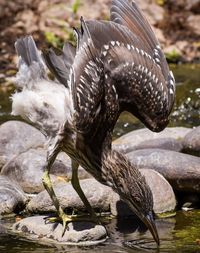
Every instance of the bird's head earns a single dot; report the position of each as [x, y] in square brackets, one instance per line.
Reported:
[153, 102]
[131, 185]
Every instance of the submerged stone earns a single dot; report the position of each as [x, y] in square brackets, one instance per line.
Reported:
[12, 198]
[182, 171]
[78, 233]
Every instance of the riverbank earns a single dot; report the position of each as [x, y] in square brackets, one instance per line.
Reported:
[176, 24]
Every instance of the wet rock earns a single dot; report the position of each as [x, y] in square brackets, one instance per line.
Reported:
[97, 194]
[191, 142]
[28, 168]
[78, 233]
[12, 198]
[17, 137]
[129, 141]
[181, 170]
[163, 195]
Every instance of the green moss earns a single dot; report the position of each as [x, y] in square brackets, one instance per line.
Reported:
[53, 40]
[173, 56]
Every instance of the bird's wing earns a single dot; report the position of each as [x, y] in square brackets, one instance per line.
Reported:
[86, 81]
[133, 58]
[127, 13]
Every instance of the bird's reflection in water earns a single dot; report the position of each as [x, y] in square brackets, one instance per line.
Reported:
[136, 236]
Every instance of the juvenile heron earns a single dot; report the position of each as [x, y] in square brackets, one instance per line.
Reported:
[116, 66]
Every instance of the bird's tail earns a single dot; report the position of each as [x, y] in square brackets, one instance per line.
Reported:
[60, 62]
[31, 66]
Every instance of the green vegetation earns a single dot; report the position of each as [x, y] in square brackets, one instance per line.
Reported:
[53, 40]
[75, 6]
[173, 56]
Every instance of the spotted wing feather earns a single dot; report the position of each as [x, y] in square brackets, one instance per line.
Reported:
[128, 14]
[86, 81]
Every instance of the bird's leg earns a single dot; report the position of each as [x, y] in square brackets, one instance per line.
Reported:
[51, 156]
[77, 187]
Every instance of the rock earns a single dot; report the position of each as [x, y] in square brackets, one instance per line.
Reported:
[181, 170]
[127, 142]
[78, 233]
[2, 229]
[97, 194]
[17, 137]
[163, 195]
[12, 197]
[193, 5]
[191, 142]
[193, 22]
[28, 168]
[150, 9]
[161, 143]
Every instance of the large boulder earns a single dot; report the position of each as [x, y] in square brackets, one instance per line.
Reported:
[130, 141]
[181, 170]
[78, 233]
[12, 198]
[28, 168]
[17, 137]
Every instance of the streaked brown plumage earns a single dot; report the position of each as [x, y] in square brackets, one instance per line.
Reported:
[117, 66]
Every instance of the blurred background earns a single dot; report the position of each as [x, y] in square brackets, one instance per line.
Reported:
[176, 24]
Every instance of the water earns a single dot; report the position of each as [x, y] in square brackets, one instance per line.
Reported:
[178, 234]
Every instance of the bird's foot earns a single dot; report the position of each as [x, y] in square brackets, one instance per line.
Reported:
[66, 219]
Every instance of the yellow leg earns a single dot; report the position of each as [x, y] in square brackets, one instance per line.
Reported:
[77, 187]
[51, 156]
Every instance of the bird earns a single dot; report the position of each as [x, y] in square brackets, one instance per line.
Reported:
[116, 66]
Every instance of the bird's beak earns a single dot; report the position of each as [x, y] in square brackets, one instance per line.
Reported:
[150, 224]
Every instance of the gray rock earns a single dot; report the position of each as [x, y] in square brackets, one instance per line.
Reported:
[97, 194]
[3, 230]
[11, 196]
[129, 141]
[78, 233]
[17, 137]
[28, 168]
[191, 142]
[163, 195]
[181, 170]
[161, 143]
